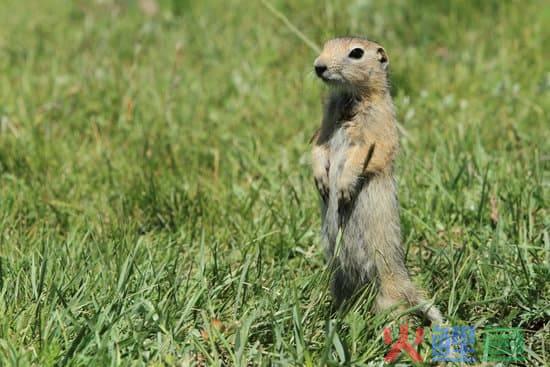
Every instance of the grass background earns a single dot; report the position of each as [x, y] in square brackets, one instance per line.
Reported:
[157, 206]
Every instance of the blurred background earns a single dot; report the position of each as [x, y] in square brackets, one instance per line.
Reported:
[157, 205]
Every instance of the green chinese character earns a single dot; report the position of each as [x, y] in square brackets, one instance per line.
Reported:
[504, 345]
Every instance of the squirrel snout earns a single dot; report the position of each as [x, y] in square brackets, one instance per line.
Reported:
[320, 69]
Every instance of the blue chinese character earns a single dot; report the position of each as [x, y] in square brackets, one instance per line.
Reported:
[453, 344]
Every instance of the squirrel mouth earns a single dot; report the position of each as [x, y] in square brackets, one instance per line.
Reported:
[331, 80]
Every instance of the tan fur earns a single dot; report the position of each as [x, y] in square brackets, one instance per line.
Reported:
[353, 157]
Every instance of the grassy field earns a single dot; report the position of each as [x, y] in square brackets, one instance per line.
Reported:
[156, 201]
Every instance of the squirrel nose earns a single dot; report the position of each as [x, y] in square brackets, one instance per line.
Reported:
[320, 69]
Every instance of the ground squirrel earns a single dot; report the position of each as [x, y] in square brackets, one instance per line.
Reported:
[353, 156]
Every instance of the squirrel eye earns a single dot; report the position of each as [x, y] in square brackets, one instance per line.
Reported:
[356, 53]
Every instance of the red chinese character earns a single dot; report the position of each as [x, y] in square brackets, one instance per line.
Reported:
[403, 344]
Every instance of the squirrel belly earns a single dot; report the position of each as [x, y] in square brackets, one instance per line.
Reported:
[370, 225]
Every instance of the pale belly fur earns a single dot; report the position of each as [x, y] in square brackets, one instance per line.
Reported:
[371, 235]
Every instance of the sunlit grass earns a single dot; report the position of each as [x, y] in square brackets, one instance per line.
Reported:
[157, 206]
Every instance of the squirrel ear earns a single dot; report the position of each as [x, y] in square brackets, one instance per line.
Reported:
[382, 57]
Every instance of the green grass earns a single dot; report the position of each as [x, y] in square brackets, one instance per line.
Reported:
[157, 206]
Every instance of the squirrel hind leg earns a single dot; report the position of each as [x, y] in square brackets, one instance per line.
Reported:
[433, 314]
[403, 293]
[426, 309]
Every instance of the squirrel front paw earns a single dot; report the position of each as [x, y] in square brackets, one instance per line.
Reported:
[321, 182]
[321, 166]
[345, 194]
[344, 202]
[347, 189]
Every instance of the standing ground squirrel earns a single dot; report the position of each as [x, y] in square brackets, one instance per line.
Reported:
[353, 157]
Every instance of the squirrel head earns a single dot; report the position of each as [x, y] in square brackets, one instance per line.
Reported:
[354, 64]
